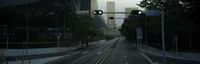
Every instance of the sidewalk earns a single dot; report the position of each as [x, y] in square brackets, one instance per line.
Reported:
[40, 51]
[35, 61]
[15, 54]
[19, 52]
[171, 54]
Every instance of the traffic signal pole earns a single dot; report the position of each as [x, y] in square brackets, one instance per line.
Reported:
[163, 37]
[116, 12]
[100, 12]
[163, 32]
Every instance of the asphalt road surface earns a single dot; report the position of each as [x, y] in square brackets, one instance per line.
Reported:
[125, 53]
[118, 51]
[114, 52]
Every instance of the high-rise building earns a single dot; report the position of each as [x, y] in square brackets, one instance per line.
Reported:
[94, 6]
[111, 8]
[129, 9]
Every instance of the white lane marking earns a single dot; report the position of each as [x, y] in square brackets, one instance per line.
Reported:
[157, 63]
[141, 50]
[146, 57]
[99, 52]
[126, 62]
[85, 52]
[80, 58]
[106, 55]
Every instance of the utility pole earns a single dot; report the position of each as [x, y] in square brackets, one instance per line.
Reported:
[7, 36]
[176, 43]
[2, 56]
[7, 41]
[27, 33]
[26, 43]
[162, 5]
[58, 44]
[145, 26]
[163, 34]
[64, 29]
[145, 34]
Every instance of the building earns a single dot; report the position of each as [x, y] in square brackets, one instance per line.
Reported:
[50, 30]
[94, 6]
[111, 8]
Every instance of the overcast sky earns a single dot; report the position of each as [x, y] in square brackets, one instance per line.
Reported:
[120, 6]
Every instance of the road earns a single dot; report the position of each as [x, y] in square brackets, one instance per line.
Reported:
[125, 53]
[117, 51]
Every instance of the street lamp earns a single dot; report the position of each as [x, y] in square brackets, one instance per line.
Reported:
[163, 36]
[58, 40]
[163, 30]
[161, 5]
[26, 43]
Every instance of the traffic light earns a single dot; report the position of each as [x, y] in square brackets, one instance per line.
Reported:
[136, 12]
[97, 12]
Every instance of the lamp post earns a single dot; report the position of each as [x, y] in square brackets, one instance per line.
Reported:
[163, 37]
[7, 40]
[162, 5]
[145, 34]
[58, 44]
[26, 43]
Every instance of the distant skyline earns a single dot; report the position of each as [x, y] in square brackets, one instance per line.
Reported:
[120, 6]
[110, 8]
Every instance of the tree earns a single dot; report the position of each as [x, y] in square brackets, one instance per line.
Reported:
[84, 30]
[180, 16]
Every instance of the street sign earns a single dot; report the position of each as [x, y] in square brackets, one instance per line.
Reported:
[139, 33]
[153, 13]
